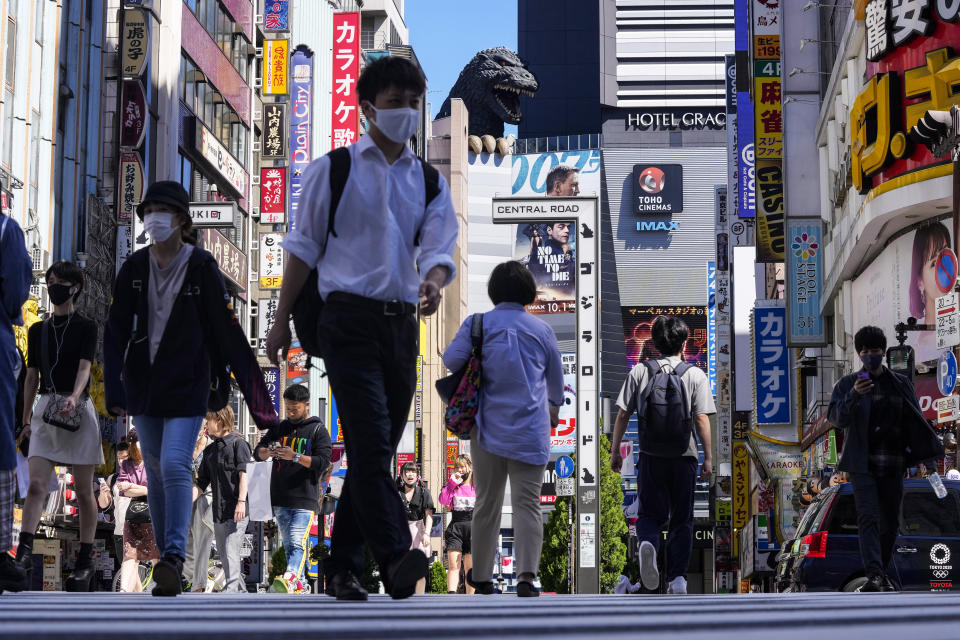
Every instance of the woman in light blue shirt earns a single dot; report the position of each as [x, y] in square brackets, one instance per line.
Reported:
[520, 396]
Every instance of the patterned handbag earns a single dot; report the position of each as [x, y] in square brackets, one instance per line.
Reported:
[461, 389]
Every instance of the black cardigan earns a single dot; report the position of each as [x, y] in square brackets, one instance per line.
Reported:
[202, 330]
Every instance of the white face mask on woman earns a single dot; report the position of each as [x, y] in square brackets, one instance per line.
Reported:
[159, 225]
[397, 124]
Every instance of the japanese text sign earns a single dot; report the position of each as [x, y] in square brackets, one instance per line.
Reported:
[771, 364]
[271, 261]
[276, 56]
[301, 126]
[232, 261]
[131, 185]
[741, 485]
[273, 194]
[805, 282]
[135, 42]
[274, 131]
[276, 15]
[133, 114]
[271, 377]
[346, 69]
[266, 316]
[948, 330]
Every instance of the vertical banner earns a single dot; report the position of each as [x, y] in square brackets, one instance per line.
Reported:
[131, 185]
[271, 261]
[721, 315]
[276, 15]
[346, 69]
[271, 376]
[730, 104]
[741, 485]
[804, 282]
[768, 131]
[712, 326]
[301, 125]
[266, 316]
[746, 187]
[273, 195]
[771, 363]
[274, 132]
[276, 57]
[133, 114]
[135, 42]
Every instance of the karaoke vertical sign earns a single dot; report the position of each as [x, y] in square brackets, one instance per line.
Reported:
[346, 69]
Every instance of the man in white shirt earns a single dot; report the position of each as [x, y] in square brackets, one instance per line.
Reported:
[390, 252]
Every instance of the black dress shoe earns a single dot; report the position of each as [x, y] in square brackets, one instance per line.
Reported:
[485, 588]
[345, 586]
[81, 580]
[12, 576]
[168, 574]
[527, 590]
[404, 572]
[874, 584]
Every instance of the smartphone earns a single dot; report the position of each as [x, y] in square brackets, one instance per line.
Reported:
[864, 375]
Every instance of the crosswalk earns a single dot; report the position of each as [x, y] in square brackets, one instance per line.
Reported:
[212, 616]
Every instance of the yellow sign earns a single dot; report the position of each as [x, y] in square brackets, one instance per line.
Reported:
[741, 485]
[768, 126]
[276, 57]
[271, 282]
[135, 42]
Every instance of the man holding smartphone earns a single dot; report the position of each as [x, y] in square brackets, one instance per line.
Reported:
[885, 432]
[300, 449]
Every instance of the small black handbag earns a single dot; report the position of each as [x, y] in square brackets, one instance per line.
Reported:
[138, 511]
[54, 414]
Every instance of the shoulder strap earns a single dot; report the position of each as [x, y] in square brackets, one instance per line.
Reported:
[431, 187]
[339, 172]
[476, 330]
[653, 366]
[682, 368]
[45, 356]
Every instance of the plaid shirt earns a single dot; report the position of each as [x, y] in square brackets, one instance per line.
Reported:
[886, 455]
[8, 493]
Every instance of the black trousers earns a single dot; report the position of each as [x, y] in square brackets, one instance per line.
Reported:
[878, 518]
[371, 362]
[665, 492]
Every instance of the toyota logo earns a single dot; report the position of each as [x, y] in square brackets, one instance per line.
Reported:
[940, 553]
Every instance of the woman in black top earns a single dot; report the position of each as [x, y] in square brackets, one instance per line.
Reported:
[419, 505]
[60, 352]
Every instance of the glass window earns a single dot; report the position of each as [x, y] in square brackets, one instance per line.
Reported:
[182, 81]
[368, 28]
[7, 126]
[210, 19]
[925, 515]
[843, 516]
[11, 51]
[192, 5]
[38, 20]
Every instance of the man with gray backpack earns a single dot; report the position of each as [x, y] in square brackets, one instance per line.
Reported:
[672, 399]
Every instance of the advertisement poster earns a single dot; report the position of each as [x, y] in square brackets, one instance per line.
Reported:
[301, 125]
[276, 56]
[563, 437]
[297, 363]
[560, 173]
[548, 251]
[638, 325]
[768, 131]
[901, 282]
[333, 418]
[346, 70]
[805, 282]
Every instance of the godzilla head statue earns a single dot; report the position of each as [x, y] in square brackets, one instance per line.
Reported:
[490, 86]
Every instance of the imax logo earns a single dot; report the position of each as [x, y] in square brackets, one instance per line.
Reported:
[669, 225]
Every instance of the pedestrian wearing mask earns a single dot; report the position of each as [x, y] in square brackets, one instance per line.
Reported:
[460, 496]
[300, 449]
[168, 380]
[391, 247]
[520, 396]
[16, 276]
[64, 428]
[885, 432]
[420, 508]
[224, 470]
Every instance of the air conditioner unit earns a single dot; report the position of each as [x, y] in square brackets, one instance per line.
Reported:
[257, 146]
[255, 181]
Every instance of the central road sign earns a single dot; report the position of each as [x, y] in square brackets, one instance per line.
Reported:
[946, 271]
[564, 467]
[947, 373]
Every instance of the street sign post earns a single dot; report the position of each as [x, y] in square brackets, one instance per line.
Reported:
[948, 409]
[947, 373]
[946, 271]
[564, 467]
[565, 486]
[948, 321]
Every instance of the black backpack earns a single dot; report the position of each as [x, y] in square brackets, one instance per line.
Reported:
[663, 411]
[309, 304]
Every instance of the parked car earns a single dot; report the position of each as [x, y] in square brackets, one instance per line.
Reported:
[825, 556]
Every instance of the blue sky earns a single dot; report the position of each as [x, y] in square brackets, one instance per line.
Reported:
[446, 33]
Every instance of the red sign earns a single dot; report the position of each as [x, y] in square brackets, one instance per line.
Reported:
[346, 69]
[133, 114]
[453, 450]
[273, 194]
[946, 271]
[297, 362]
[551, 499]
[402, 459]
[927, 394]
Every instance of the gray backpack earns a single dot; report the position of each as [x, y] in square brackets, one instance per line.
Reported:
[663, 411]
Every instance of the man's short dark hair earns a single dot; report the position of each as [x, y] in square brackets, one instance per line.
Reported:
[559, 174]
[65, 270]
[297, 393]
[386, 72]
[870, 337]
[511, 282]
[670, 335]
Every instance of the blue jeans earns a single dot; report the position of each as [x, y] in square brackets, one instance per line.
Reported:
[294, 526]
[167, 446]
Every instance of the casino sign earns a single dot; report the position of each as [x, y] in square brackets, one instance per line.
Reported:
[912, 67]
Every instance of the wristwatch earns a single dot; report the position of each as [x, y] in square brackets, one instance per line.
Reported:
[296, 458]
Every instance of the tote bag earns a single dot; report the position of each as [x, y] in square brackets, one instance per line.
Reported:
[258, 491]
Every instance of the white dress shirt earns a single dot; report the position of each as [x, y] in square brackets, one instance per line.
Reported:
[381, 208]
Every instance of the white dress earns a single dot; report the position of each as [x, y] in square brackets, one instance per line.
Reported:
[64, 447]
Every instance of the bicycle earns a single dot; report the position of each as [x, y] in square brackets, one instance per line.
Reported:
[144, 572]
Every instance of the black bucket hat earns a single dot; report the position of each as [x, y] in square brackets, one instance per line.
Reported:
[167, 192]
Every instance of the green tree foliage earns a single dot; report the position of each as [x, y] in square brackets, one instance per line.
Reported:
[370, 580]
[554, 570]
[278, 564]
[613, 524]
[438, 578]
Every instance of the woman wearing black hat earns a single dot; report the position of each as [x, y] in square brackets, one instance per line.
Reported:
[167, 380]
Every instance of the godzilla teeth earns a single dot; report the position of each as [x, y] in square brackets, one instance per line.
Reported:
[503, 87]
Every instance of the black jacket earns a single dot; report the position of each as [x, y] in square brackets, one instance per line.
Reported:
[293, 485]
[202, 333]
[224, 460]
[850, 411]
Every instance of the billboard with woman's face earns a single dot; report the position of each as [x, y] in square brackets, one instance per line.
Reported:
[900, 283]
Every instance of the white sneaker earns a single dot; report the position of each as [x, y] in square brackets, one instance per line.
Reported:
[649, 574]
[678, 586]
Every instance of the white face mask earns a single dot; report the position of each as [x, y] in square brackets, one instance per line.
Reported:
[159, 225]
[397, 124]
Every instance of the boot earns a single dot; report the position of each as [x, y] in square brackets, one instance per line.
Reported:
[82, 580]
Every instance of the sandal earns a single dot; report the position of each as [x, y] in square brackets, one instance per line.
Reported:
[483, 588]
